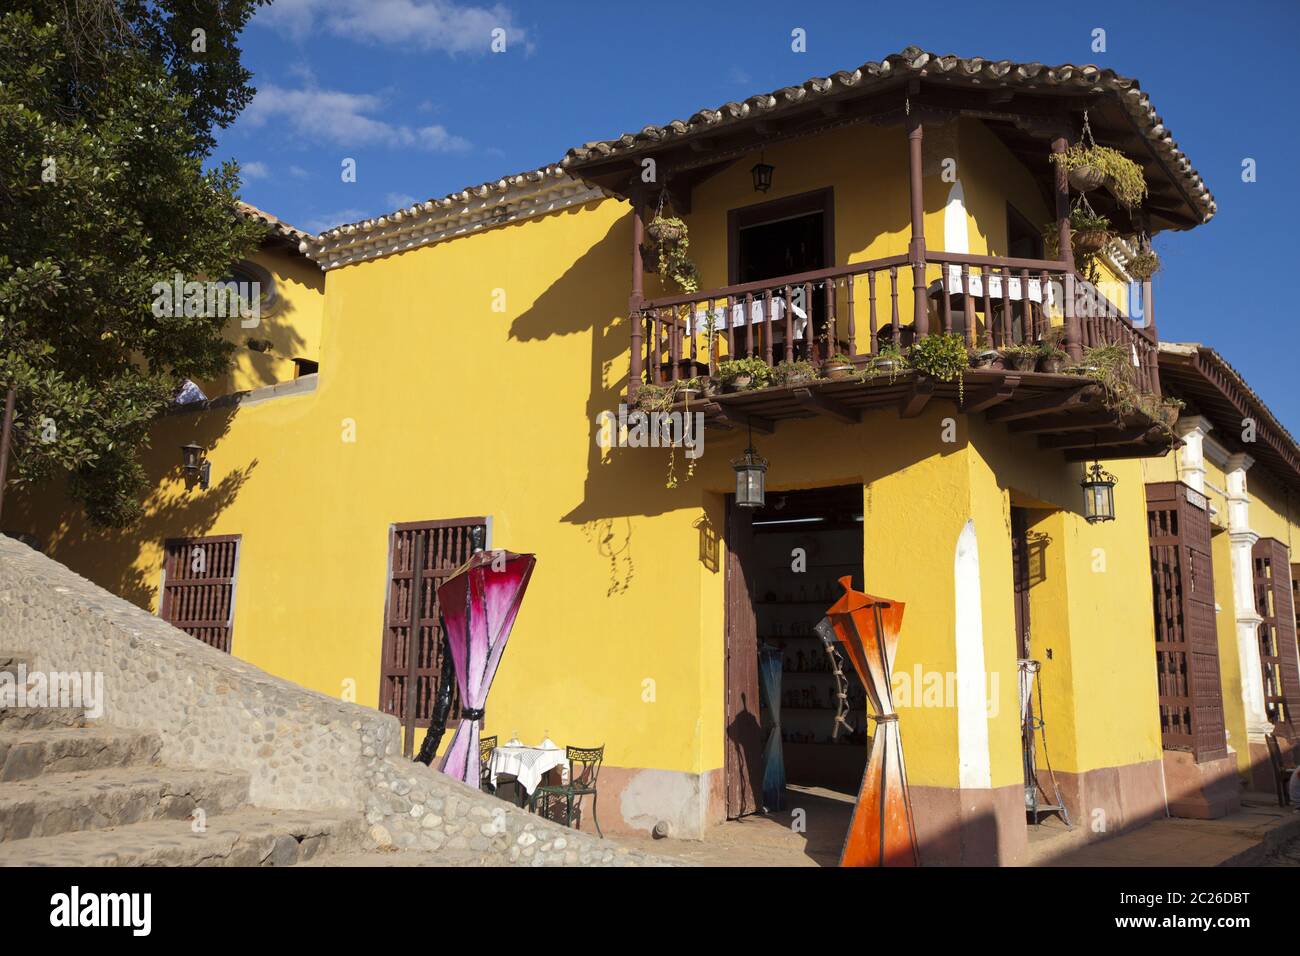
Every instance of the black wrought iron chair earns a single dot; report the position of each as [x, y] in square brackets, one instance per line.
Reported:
[1281, 770]
[584, 769]
[485, 747]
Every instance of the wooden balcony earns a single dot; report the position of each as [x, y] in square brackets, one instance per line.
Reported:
[855, 310]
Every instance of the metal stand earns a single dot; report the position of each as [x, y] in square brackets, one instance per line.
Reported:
[1029, 722]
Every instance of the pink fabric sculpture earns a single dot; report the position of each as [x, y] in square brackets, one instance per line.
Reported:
[479, 604]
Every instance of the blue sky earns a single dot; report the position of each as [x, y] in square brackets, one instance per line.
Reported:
[411, 91]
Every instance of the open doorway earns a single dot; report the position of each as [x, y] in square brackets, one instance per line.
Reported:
[785, 237]
[785, 564]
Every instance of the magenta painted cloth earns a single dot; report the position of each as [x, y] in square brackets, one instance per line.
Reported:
[479, 604]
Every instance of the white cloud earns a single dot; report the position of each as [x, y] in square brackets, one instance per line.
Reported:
[297, 172]
[344, 119]
[318, 224]
[398, 200]
[255, 170]
[444, 25]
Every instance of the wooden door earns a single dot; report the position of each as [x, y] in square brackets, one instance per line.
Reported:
[1274, 602]
[421, 555]
[198, 592]
[744, 729]
[1020, 578]
[1187, 649]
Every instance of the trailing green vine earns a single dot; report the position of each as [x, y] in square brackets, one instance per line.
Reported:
[943, 357]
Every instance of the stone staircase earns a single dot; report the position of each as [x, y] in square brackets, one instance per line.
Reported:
[74, 793]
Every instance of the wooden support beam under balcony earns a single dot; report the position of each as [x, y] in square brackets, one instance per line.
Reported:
[917, 398]
[1101, 438]
[1048, 404]
[825, 405]
[981, 399]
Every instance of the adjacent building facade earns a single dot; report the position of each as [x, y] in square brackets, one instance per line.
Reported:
[458, 361]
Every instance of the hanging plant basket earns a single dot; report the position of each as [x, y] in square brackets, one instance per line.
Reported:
[1089, 242]
[663, 231]
[1143, 265]
[1086, 178]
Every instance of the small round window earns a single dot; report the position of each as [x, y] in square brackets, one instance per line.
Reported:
[253, 279]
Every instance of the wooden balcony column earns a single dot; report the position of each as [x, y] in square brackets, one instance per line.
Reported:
[916, 248]
[1073, 328]
[636, 300]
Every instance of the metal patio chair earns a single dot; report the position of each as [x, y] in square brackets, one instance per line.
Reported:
[485, 747]
[1281, 770]
[584, 769]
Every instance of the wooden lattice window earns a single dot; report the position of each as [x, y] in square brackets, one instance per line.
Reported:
[1187, 650]
[198, 590]
[1275, 603]
[421, 555]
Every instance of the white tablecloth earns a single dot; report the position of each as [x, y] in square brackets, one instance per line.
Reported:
[528, 764]
[698, 320]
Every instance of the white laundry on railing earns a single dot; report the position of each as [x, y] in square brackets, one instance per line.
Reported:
[701, 318]
[1014, 290]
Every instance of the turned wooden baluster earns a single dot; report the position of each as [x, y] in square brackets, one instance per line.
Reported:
[947, 299]
[809, 332]
[968, 306]
[893, 318]
[1008, 330]
[789, 325]
[873, 344]
[767, 326]
[989, 326]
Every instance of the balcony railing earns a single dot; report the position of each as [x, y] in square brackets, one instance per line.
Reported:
[859, 308]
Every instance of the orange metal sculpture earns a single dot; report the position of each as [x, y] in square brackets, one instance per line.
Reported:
[882, 832]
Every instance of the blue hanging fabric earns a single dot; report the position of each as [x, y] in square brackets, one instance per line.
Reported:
[770, 666]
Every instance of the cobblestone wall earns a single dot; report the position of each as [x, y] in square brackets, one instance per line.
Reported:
[302, 749]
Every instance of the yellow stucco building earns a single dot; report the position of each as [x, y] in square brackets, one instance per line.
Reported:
[452, 365]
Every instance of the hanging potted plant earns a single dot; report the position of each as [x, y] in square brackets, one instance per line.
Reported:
[838, 366]
[1143, 265]
[888, 361]
[1089, 231]
[688, 390]
[1089, 166]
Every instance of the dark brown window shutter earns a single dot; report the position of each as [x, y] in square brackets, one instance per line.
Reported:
[1187, 648]
[421, 555]
[198, 594]
[1275, 603]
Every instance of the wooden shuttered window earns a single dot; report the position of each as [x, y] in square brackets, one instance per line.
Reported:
[421, 555]
[1187, 649]
[1275, 603]
[198, 593]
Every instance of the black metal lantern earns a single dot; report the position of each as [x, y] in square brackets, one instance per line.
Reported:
[1098, 494]
[762, 173]
[751, 476]
[196, 466]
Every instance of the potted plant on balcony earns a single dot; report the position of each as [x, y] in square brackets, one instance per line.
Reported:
[688, 390]
[1089, 231]
[1023, 357]
[838, 366]
[793, 373]
[739, 374]
[670, 238]
[888, 361]
[942, 356]
[653, 398]
[984, 355]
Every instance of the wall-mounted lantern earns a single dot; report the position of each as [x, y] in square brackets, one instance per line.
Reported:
[197, 467]
[1098, 494]
[751, 475]
[762, 173]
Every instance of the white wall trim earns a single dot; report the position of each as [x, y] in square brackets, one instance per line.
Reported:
[972, 676]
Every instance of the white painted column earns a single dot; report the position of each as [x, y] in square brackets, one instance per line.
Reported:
[1243, 596]
[1192, 429]
[972, 678]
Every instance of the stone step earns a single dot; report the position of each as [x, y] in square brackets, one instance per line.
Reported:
[57, 803]
[25, 754]
[39, 718]
[404, 858]
[248, 837]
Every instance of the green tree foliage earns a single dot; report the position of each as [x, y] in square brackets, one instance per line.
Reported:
[107, 115]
